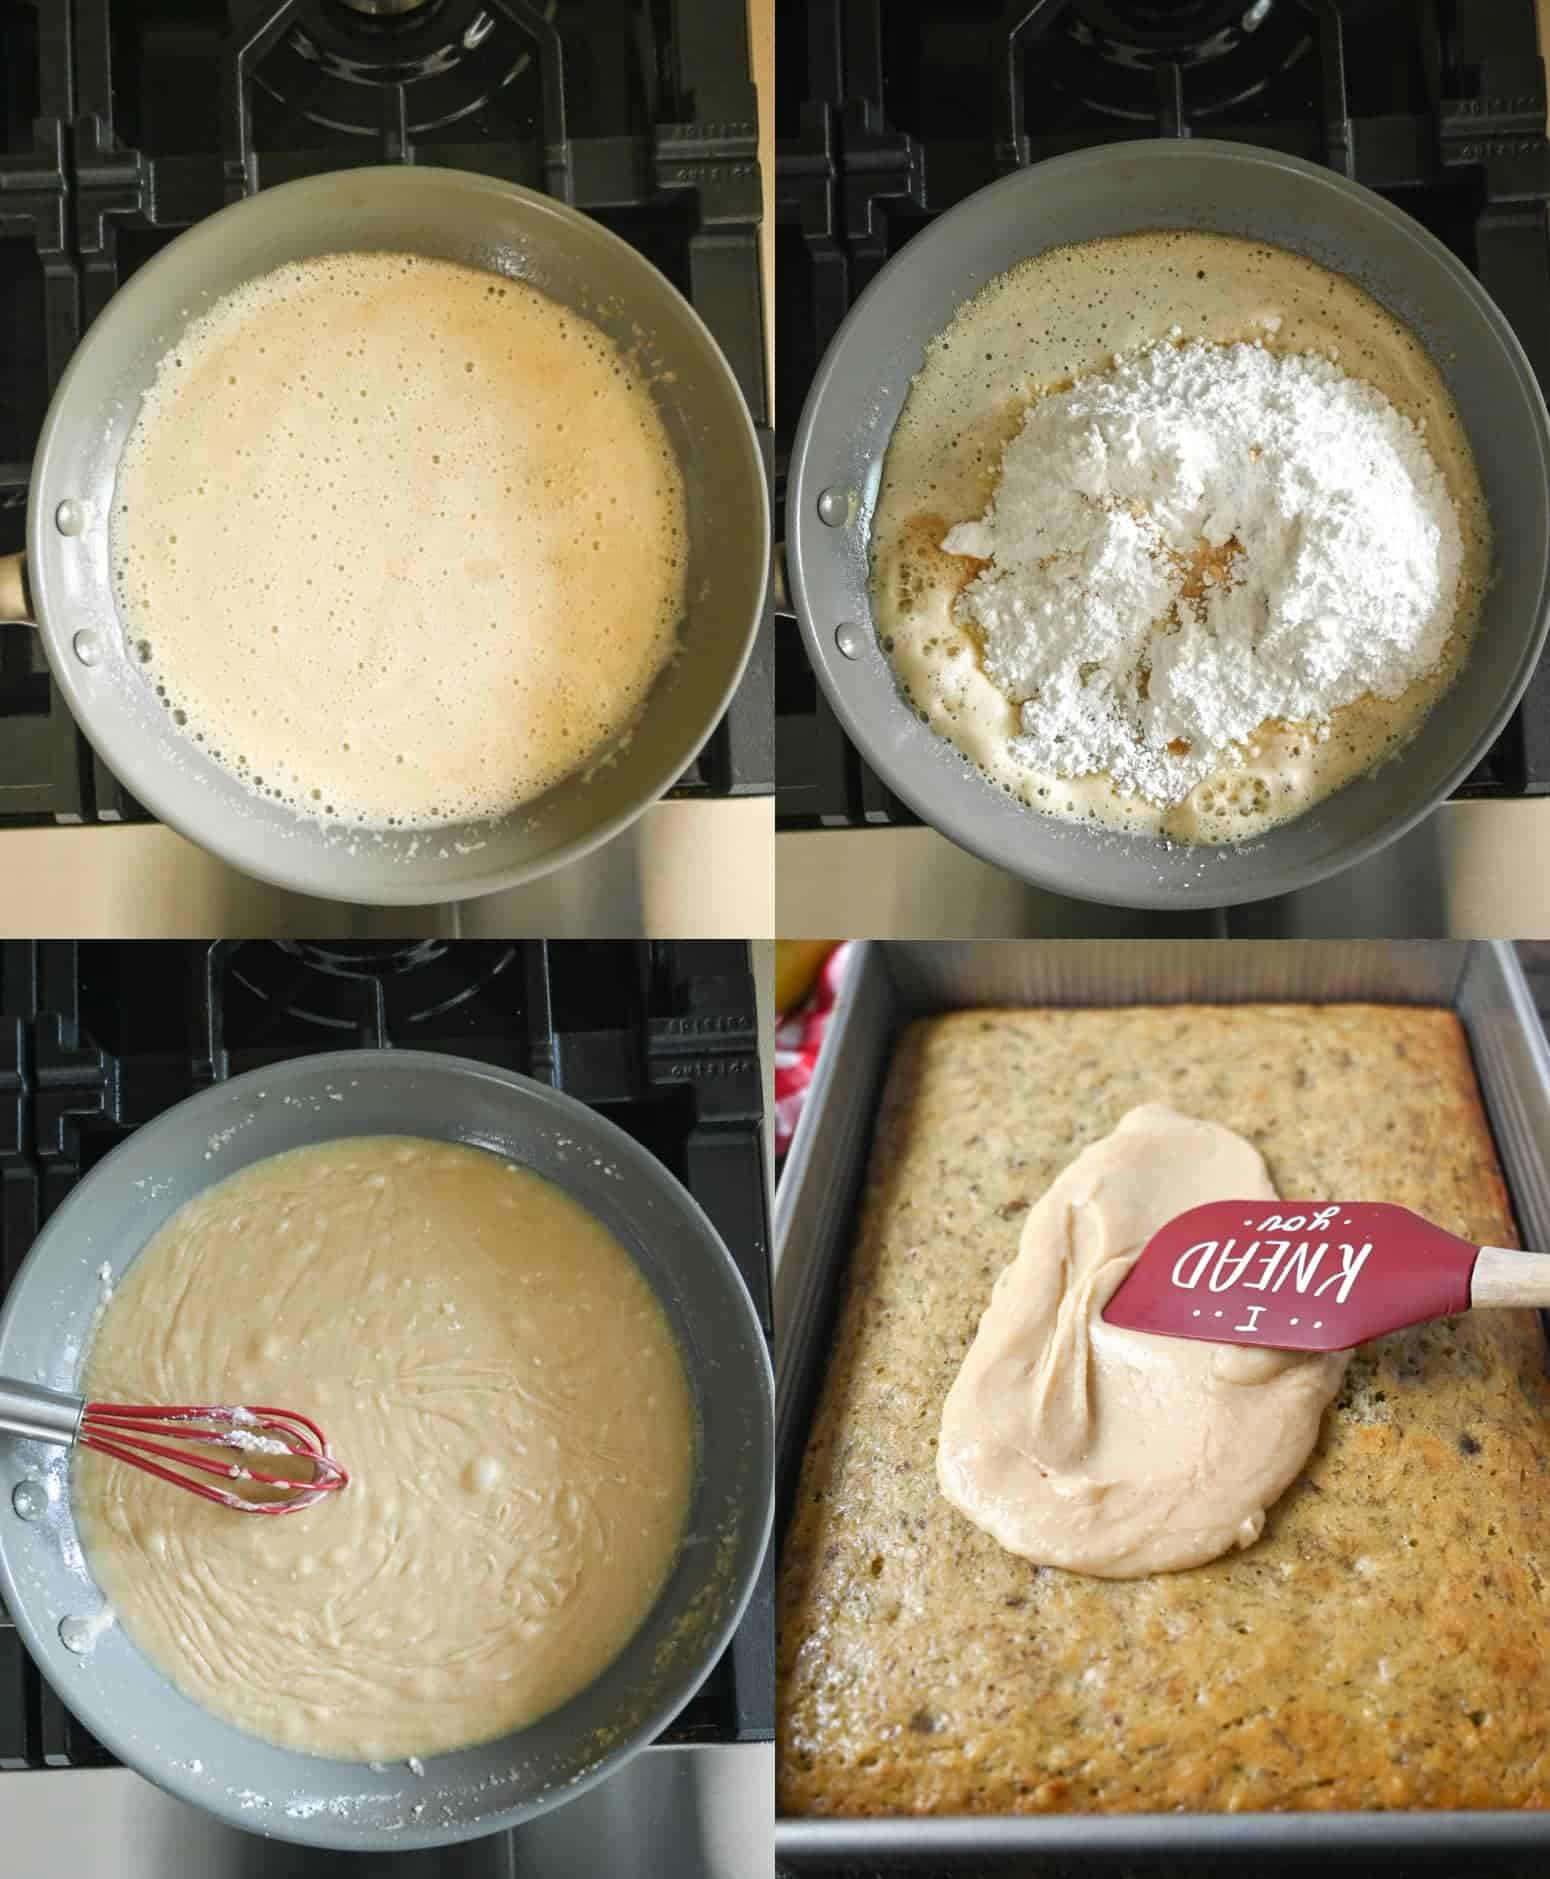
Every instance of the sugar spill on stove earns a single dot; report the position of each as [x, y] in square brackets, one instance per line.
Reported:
[1201, 539]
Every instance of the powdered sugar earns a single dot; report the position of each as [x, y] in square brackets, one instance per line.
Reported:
[252, 1442]
[1197, 541]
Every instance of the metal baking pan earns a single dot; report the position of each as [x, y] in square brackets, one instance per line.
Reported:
[890, 984]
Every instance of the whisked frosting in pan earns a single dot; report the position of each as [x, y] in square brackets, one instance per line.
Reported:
[501, 1382]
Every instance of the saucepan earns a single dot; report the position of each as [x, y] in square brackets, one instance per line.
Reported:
[116, 1692]
[1118, 189]
[64, 583]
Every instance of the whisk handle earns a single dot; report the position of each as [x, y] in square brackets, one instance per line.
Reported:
[44, 1415]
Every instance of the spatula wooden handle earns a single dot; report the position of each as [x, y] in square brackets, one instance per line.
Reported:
[1505, 1277]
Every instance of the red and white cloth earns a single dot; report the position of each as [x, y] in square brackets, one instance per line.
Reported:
[798, 1039]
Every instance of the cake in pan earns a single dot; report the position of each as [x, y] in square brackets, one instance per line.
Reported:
[1385, 1643]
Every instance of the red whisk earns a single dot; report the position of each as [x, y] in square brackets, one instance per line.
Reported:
[150, 1436]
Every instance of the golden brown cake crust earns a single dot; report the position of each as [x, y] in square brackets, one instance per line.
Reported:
[1385, 1644]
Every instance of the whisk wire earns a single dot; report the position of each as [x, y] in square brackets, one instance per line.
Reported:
[127, 1431]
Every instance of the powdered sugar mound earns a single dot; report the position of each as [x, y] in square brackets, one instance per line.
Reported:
[1198, 540]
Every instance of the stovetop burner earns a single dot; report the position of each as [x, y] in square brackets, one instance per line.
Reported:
[1190, 30]
[385, 9]
[97, 1038]
[1109, 53]
[370, 959]
[389, 992]
[887, 114]
[452, 56]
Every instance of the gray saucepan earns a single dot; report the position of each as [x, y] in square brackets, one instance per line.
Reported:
[451, 215]
[1117, 189]
[47, 1320]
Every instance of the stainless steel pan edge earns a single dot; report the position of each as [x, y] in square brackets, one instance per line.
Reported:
[1233, 188]
[482, 222]
[889, 984]
[816, 1196]
[47, 1320]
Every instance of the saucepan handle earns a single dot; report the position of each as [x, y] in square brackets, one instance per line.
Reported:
[45, 1415]
[14, 601]
[783, 602]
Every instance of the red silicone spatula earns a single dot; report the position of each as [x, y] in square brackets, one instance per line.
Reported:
[1313, 1276]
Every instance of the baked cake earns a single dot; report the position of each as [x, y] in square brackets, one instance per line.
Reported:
[1385, 1644]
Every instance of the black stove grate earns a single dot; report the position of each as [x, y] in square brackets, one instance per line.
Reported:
[888, 112]
[124, 121]
[97, 1037]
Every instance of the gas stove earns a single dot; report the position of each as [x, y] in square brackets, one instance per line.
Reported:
[660, 1037]
[124, 121]
[889, 112]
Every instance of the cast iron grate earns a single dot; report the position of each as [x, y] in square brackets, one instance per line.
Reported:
[124, 121]
[890, 111]
[97, 1037]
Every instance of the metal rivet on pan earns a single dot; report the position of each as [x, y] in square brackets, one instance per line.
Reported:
[851, 639]
[833, 507]
[69, 517]
[88, 648]
[30, 1499]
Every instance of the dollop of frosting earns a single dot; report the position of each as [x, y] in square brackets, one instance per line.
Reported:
[1111, 1452]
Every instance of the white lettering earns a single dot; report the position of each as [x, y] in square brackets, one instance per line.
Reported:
[1322, 1218]
[1302, 1266]
[1351, 1263]
[1226, 1273]
[1267, 1270]
[1253, 1311]
[1205, 1248]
